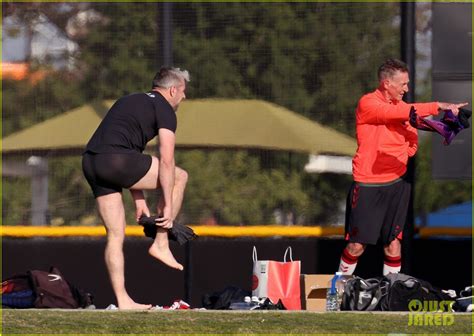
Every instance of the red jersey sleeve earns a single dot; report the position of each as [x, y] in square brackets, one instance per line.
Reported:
[373, 110]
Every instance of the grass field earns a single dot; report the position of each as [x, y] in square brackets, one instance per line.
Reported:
[33, 321]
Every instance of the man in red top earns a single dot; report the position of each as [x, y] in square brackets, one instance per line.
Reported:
[378, 200]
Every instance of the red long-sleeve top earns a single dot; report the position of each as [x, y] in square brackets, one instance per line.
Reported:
[385, 138]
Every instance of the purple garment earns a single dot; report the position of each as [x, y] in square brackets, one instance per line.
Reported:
[449, 126]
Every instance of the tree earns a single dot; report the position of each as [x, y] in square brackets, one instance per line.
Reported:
[118, 55]
[431, 195]
[313, 58]
[230, 187]
[26, 103]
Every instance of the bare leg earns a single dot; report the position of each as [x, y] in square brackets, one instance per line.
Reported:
[356, 249]
[349, 257]
[181, 178]
[113, 214]
[394, 249]
[392, 260]
[160, 247]
[161, 251]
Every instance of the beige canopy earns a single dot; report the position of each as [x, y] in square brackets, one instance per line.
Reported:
[202, 123]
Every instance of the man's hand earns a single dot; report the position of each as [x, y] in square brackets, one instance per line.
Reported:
[166, 220]
[450, 106]
[141, 209]
[140, 204]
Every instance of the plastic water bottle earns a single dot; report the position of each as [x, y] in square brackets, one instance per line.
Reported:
[334, 293]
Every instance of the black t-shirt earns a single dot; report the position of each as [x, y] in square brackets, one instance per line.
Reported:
[131, 123]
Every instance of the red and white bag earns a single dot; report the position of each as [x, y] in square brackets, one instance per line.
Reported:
[277, 280]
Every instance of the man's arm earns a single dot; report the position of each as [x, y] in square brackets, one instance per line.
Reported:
[374, 111]
[453, 107]
[140, 203]
[166, 173]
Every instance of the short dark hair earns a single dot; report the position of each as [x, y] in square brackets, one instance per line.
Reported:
[389, 67]
[168, 76]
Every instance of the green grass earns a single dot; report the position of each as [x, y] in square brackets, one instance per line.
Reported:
[34, 321]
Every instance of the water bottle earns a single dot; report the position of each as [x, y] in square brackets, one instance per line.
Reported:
[334, 293]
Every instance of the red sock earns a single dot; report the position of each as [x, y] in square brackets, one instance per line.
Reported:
[348, 263]
[392, 264]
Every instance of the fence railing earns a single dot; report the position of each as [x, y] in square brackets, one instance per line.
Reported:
[257, 231]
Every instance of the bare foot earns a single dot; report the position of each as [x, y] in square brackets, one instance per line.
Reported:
[164, 255]
[130, 304]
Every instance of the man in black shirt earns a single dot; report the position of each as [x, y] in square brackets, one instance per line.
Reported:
[113, 160]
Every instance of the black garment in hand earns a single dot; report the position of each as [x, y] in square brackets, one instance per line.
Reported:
[448, 127]
[180, 233]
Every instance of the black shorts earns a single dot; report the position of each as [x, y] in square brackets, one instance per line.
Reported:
[376, 212]
[108, 173]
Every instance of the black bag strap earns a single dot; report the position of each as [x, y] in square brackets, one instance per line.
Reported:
[372, 286]
[370, 289]
[356, 295]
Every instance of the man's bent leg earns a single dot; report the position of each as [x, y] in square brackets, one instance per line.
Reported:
[161, 251]
[113, 214]
[393, 257]
[151, 181]
[160, 247]
[349, 258]
[181, 178]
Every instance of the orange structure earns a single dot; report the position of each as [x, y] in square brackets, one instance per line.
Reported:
[21, 71]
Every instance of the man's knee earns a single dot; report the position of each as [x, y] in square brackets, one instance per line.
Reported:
[115, 233]
[394, 248]
[355, 249]
[181, 176]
